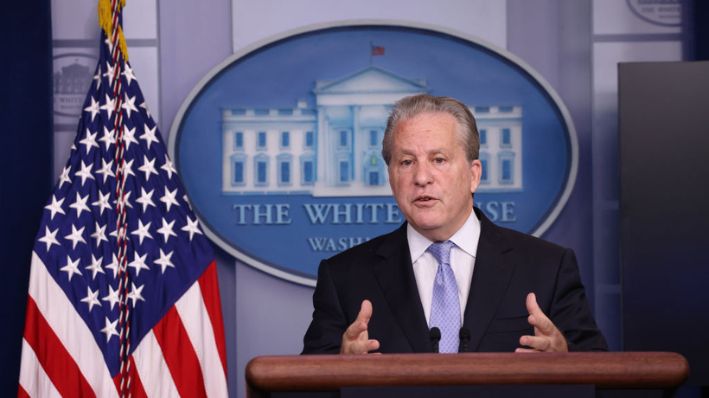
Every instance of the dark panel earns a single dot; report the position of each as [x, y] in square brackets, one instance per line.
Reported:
[664, 173]
[699, 12]
[25, 163]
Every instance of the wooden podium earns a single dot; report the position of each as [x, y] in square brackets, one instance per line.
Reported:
[268, 376]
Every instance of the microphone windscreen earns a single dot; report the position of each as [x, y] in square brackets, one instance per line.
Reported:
[435, 333]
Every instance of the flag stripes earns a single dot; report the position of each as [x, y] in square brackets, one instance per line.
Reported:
[181, 342]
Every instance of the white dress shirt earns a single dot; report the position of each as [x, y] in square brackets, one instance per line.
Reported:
[462, 261]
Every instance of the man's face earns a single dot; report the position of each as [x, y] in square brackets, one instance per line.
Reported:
[430, 176]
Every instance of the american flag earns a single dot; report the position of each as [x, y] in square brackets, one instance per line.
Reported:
[376, 50]
[123, 297]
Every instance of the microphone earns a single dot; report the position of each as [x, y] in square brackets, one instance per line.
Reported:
[464, 336]
[435, 335]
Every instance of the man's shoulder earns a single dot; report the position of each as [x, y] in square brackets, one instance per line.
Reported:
[376, 246]
[513, 239]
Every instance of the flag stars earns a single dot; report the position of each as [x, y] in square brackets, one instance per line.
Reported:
[99, 234]
[91, 298]
[95, 268]
[102, 202]
[97, 77]
[108, 138]
[149, 135]
[169, 198]
[80, 204]
[146, 198]
[49, 238]
[106, 169]
[129, 136]
[93, 108]
[110, 329]
[165, 261]
[71, 268]
[110, 69]
[148, 167]
[109, 44]
[89, 141]
[112, 297]
[55, 207]
[64, 177]
[143, 231]
[128, 73]
[76, 236]
[85, 172]
[145, 108]
[168, 167]
[125, 200]
[135, 293]
[166, 229]
[109, 106]
[113, 266]
[128, 167]
[129, 104]
[192, 227]
[138, 263]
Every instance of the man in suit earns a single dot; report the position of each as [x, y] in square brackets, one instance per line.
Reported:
[448, 276]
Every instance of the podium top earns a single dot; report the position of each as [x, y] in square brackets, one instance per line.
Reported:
[606, 370]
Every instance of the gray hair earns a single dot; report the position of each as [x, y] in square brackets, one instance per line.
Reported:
[408, 107]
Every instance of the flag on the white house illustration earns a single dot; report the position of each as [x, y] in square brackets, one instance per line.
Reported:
[123, 296]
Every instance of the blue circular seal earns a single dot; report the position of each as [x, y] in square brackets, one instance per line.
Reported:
[279, 146]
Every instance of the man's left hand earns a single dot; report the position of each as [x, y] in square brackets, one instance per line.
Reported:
[547, 338]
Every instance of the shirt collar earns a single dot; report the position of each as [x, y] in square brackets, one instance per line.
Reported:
[466, 238]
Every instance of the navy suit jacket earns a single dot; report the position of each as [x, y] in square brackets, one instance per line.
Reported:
[508, 265]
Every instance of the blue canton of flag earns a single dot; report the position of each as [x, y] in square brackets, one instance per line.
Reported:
[170, 293]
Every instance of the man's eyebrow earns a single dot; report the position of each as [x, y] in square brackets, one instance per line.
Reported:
[404, 151]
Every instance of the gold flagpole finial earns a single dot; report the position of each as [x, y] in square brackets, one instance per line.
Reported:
[105, 21]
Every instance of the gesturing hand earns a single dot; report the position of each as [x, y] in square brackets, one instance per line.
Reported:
[356, 340]
[547, 337]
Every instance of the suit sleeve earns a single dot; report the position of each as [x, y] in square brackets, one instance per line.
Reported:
[324, 335]
[570, 310]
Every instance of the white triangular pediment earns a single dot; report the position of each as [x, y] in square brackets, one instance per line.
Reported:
[370, 80]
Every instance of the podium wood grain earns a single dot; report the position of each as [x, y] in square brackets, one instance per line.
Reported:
[617, 370]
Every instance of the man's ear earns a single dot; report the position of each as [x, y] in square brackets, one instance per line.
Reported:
[476, 172]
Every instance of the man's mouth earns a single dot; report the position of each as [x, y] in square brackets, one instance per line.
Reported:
[424, 199]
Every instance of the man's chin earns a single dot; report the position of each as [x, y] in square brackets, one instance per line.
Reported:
[426, 227]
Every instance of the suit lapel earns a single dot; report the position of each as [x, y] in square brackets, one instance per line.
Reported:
[396, 278]
[490, 279]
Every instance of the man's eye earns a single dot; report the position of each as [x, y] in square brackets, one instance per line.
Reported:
[407, 162]
[439, 160]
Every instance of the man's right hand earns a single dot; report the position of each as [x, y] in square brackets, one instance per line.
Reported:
[356, 340]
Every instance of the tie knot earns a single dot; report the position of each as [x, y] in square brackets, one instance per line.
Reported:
[441, 251]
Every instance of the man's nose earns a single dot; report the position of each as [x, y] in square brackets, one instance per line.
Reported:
[422, 174]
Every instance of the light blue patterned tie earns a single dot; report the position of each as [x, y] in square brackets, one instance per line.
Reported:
[445, 306]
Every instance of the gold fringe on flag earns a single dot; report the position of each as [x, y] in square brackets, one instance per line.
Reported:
[105, 22]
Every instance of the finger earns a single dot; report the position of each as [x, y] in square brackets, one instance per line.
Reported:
[365, 311]
[361, 323]
[532, 305]
[359, 347]
[525, 350]
[355, 330]
[535, 342]
[537, 317]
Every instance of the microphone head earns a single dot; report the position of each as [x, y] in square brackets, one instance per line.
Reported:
[435, 334]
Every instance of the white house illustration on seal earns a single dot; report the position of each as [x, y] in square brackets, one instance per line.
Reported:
[334, 149]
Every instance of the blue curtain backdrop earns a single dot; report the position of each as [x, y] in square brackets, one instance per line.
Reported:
[25, 163]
